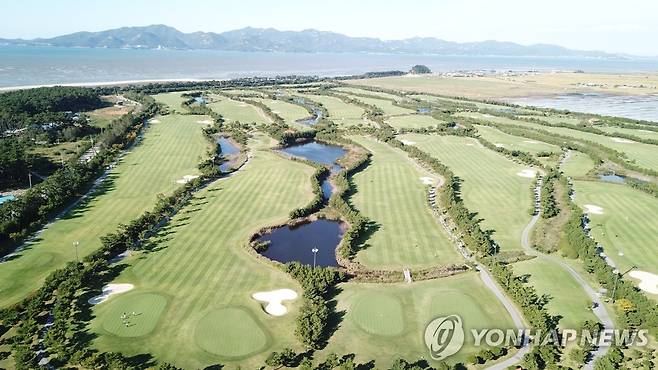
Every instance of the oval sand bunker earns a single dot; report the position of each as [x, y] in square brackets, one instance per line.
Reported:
[648, 281]
[109, 290]
[274, 299]
[590, 208]
[527, 173]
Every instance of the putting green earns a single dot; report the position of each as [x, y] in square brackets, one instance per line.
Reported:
[148, 308]
[378, 313]
[387, 321]
[230, 332]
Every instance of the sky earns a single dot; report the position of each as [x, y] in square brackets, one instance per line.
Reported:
[608, 25]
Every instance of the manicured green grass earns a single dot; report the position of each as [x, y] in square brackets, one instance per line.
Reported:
[644, 155]
[387, 321]
[201, 263]
[568, 299]
[288, 111]
[386, 106]
[479, 105]
[413, 121]
[172, 100]
[578, 164]
[390, 193]
[490, 185]
[354, 90]
[230, 332]
[340, 113]
[169, 150]
[148, 308]
[557, 119]
[628, 224]
[233, 110]
[512, 142]
[644, 134]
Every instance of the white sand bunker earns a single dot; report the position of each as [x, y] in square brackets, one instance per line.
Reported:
[205, 121]
[527, 173]
[109, 290]
[530, 142]
[499, 145]
[154, 121]
[427, 180]
[407, 142]
[590, 208]
[274, 298]
[648, 281]
[623, 141]
[186, 179]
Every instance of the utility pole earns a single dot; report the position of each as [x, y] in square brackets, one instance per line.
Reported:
[315, 251]
[614, 289]
[75, 245]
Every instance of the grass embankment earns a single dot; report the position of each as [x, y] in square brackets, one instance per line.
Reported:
[169, 150]
[390, 192]
[202, 269]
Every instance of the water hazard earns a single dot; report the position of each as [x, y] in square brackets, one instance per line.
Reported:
[324, 154]
[227, 149]
[298, 243]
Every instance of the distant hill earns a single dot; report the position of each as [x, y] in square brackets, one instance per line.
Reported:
[272, 40]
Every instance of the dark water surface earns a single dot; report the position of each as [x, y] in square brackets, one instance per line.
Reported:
[289, 244]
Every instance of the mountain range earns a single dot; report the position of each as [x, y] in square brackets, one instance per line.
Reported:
[306, 41]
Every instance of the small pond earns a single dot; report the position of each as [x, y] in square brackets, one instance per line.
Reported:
[288, 244]
[6, 198]
[200, 99]
[228, 149]
[613, 178]
[320, 153]
[423, 110]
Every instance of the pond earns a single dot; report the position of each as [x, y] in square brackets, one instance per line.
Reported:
[227, 149]
[423, 110]
[6, 198]
[200, 100]
[319, 153]
[288, 244]
[613, 178]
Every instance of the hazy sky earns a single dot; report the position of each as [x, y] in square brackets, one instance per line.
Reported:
[616, 26]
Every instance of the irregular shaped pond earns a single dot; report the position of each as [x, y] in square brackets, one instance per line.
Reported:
[227, 149]
[613, 178]
[288, 244]
[320, 153]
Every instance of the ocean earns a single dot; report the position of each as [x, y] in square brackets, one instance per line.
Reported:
[29, 65]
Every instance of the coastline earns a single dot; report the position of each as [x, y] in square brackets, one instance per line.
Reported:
[109, 83]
